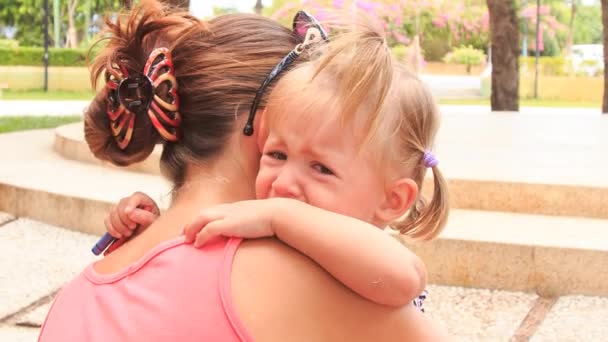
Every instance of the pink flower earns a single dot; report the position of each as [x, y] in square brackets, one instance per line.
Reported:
[530, 11]
[467, 26]
[401, 38]
[399, 21]
[369, 7]
[439, 22]
[541, 41]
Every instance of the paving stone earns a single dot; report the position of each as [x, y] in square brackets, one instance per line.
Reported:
[42, 259]
[476, 314]
[36, 317]
[575, 318]
[19, 334]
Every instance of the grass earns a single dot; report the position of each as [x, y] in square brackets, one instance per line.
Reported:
[22, 123]
[42, 95]
[527, 103]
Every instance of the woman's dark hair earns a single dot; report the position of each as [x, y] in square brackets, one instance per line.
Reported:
[219, 64]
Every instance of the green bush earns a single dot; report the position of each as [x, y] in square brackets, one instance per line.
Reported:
[33, 56]
[399, 51]
[468, 56]
[551, 66]
[434, 49]
[8, 43]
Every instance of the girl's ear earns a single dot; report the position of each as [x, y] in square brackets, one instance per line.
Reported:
[399, 197]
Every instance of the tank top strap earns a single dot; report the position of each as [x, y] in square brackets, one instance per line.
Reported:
[225, 288]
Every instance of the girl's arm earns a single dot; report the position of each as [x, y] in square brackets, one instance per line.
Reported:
[363, 257]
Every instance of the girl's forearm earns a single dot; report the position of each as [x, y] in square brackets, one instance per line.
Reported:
[360, 255]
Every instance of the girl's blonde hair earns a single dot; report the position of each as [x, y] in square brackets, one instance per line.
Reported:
[357, 79]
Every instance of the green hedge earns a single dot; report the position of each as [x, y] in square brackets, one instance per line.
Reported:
[8, 43]
[33, 56]
[553, 66]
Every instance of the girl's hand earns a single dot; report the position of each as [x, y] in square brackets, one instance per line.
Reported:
[246, 219]
[136, 211]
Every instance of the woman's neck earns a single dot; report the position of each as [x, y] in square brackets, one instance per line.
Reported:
[229, 178]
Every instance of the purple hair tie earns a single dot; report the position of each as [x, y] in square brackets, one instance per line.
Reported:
[430, 160]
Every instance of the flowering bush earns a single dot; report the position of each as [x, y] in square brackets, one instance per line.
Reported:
[467, 55]
[440, 24]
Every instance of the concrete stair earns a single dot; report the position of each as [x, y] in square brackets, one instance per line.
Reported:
[69, 143]
[38, 183]
[548, 255]
[526, 163]
[543, 230]
[504, 174]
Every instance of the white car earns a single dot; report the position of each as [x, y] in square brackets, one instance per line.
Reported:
[588, 58]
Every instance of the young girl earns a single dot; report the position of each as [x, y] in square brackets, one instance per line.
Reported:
[347, 149]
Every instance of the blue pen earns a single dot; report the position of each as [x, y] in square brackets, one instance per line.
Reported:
[103, 243]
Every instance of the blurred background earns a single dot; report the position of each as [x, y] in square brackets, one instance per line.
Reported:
[436, 37]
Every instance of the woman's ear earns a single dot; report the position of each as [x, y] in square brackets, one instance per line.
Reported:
[399, 197]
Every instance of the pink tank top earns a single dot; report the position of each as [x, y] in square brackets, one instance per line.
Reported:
[175, 292]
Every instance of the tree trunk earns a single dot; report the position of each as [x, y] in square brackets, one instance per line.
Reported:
[505, 51]
[258, 7]
[605, 22]
[570, 39]
[72, 34]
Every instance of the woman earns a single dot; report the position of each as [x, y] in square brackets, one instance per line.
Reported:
[173, 79]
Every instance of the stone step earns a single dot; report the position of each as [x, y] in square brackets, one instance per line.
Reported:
[517, 169]
[537, 163]
[38, 183]
[69, 143]
[548, 255]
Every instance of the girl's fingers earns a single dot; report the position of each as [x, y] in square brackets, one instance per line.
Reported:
[118, 224]
[123, 211]
[110, 228]
[143, 201]
[212, 229]
[142, 217]
[199, 224]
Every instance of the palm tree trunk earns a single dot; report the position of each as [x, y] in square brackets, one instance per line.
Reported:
[571, 28]
[258, 7]
[605, 22]
[504, 31]
[72, 34]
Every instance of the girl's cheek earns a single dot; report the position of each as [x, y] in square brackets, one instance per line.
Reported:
[263, 182]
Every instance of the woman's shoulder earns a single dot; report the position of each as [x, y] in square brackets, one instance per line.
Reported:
[271, 282]
[167, 255]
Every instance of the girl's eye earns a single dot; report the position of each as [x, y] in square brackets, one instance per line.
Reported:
[323, 169]
[277, 155]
